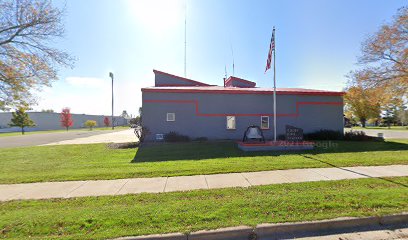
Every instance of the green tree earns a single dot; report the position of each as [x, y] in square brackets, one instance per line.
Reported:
[403, 116]
[140, 116]
[91, 124]
[135, 121]
[392, 111]
[124, 114]
[21, 119]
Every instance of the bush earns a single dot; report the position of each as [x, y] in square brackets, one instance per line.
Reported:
[324, 134]
[201, 139]
[175, 137]
[281, 137]
[359, 136]
[90, 124]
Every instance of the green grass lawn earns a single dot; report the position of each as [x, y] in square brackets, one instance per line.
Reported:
[114, 216]
[396, 128]
[60, 130]
[96, 161]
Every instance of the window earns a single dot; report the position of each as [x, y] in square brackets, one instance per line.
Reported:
[264, 122]
[230, 122]
[171, 117]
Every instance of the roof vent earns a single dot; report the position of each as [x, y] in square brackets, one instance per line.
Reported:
[239, 82]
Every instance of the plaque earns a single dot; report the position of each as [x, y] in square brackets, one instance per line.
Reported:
[294, 134]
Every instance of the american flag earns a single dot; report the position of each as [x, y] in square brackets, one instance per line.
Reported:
[271, 49]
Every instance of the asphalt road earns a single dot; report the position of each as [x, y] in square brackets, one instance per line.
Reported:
[387, 133]
[45, 138]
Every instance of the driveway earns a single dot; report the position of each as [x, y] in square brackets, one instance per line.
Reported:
[77, 137]
[113, 137]
[387, 133]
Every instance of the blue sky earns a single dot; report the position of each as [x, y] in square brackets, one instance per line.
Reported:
[317, 44]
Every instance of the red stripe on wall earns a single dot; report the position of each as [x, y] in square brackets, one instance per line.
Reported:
[195, 102]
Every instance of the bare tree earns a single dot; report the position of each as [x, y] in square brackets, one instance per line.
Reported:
[28, 61]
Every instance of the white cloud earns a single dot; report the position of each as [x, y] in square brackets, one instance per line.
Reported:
[157, 16]
[90, 95]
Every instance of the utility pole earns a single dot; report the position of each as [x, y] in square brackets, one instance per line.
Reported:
[111, 76]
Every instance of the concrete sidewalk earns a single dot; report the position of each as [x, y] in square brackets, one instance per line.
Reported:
[72, 189]
[388, 134]
[122, 136]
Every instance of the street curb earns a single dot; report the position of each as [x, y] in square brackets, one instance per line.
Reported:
[394, 219]
[230, 233]
[275, 230]
[268, 231]
[169, 236]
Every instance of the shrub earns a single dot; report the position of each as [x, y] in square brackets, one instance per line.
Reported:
[201, 139]
[175, 137]
[324, 134]
[360, 136]
[123, 145]
[135, 121]
[281, 137]
[90, 124]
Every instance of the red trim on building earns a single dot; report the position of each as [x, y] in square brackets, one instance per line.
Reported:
[277, 143]
[195, 102]
[231, 78]
[171, 85]
[196, 83]
[243, 91]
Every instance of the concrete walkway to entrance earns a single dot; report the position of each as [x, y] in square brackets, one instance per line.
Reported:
[388, 134]
[72, 189]
[122, 136]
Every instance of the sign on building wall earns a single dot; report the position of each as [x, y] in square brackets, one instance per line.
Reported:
[294, 134]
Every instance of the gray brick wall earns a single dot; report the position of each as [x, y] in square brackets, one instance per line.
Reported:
[51, 121]
[305, 111]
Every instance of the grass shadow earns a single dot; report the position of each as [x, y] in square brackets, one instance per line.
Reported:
[352, 171]
[156, 152]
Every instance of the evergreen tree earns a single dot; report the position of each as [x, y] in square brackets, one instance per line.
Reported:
[21, 119]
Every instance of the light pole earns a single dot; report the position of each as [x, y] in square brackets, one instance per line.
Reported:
[111, 76]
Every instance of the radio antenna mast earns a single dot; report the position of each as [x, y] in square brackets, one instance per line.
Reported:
[185, 38]
[233, 62]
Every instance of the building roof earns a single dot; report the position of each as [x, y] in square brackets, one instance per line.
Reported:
[206, 88]
[238, 90]
[245, 82]
[190, 81]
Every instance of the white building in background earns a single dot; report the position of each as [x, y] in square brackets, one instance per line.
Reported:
[51, 121]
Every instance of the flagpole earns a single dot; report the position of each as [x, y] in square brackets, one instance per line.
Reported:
[274, 88]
